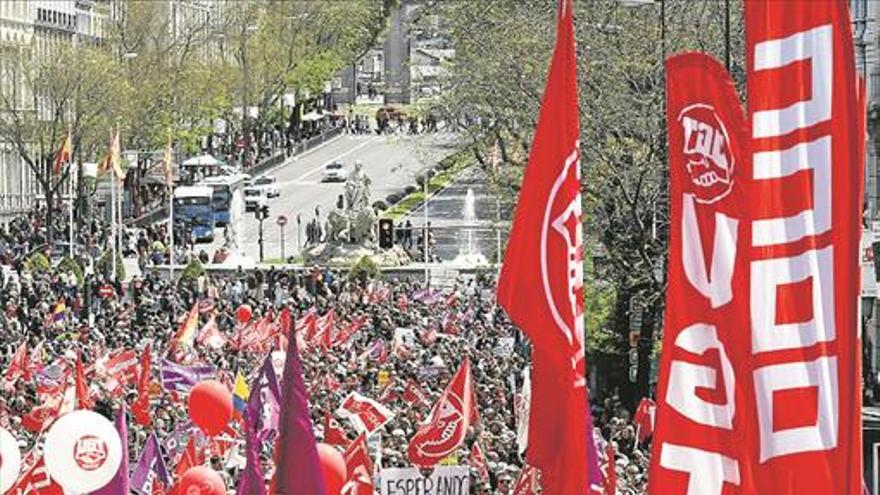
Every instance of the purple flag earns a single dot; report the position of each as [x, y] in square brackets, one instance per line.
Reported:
[175, 443]
[268, 380]
[298, 471]
[119, 483]
[150, 469]
[179, 378]
[252, 480]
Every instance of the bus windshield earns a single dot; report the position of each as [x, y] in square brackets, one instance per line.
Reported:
[191, 201]
[221, 198]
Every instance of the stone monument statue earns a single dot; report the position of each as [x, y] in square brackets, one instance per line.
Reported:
[350, 228]
[352, 221]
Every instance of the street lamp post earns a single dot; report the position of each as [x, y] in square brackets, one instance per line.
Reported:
[427, 256]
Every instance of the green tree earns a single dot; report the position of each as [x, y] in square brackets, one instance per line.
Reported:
[494, 91]
[72, 88]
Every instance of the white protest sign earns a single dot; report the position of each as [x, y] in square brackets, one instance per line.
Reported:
[444, 480]
[504, 347]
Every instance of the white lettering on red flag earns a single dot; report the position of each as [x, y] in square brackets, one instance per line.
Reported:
[759, 387]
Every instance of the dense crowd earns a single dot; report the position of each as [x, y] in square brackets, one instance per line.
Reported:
[411, 335]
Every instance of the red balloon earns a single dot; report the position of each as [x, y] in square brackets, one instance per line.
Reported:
[332, 468]
[202, 480]
[210, 406]
[243, 314]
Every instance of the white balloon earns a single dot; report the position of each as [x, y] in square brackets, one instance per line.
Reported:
[82, 451]
[10, 460]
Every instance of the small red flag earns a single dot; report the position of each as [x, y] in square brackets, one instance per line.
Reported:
[141, 407]
[83, 401]
[333, 432]
[454, 412]
[359, 468]
[478, 462]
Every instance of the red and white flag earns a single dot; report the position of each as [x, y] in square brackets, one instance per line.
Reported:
[350, 329]
[759, 388]
[528, 483]
[36, 481]
[333, 432]
[117, 370]
[454, 412]
[414, 394]
[367, 415]
[39, 418]
[210, 335]
[359, 468]
[19, 364]
[478, 461]
[543, 265]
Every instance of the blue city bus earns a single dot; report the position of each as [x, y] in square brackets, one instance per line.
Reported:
[223, 187]
[193, 207]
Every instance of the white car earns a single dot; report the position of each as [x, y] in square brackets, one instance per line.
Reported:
[335, 172]
[254, 198]
[269, 184]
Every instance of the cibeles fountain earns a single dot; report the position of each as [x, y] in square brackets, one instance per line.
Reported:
[469, 254]
[350, 231]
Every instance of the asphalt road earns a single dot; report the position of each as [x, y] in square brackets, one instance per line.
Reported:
[392, 162]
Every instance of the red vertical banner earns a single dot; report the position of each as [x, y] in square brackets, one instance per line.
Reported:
[697, 438]
[805, 142]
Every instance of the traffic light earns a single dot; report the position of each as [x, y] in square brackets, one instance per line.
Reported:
[263, 212]
[386, 233]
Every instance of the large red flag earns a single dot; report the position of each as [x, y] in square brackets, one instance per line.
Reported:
[806, 140]
[541, 282]
[759, 386]
[695, 444]
[454, 412]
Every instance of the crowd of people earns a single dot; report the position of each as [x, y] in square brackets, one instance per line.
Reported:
[411, 335]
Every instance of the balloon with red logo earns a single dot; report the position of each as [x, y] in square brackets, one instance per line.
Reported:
[10, 460]
[202, 480]
[210, 406]
[82, 451]
[332, 468]
[243, 314]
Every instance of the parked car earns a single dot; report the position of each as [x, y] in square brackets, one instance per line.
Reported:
[254, 198]
[335, 172]
[269, 184]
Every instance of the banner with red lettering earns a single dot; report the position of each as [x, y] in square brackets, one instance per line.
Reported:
[696, 436]
[760, 374]
[806, 139]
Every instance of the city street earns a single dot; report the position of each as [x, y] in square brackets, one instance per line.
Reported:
[392, 162]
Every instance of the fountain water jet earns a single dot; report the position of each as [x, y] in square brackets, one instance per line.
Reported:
[468, 253]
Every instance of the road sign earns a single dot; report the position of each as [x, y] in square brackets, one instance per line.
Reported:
[281, 220]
